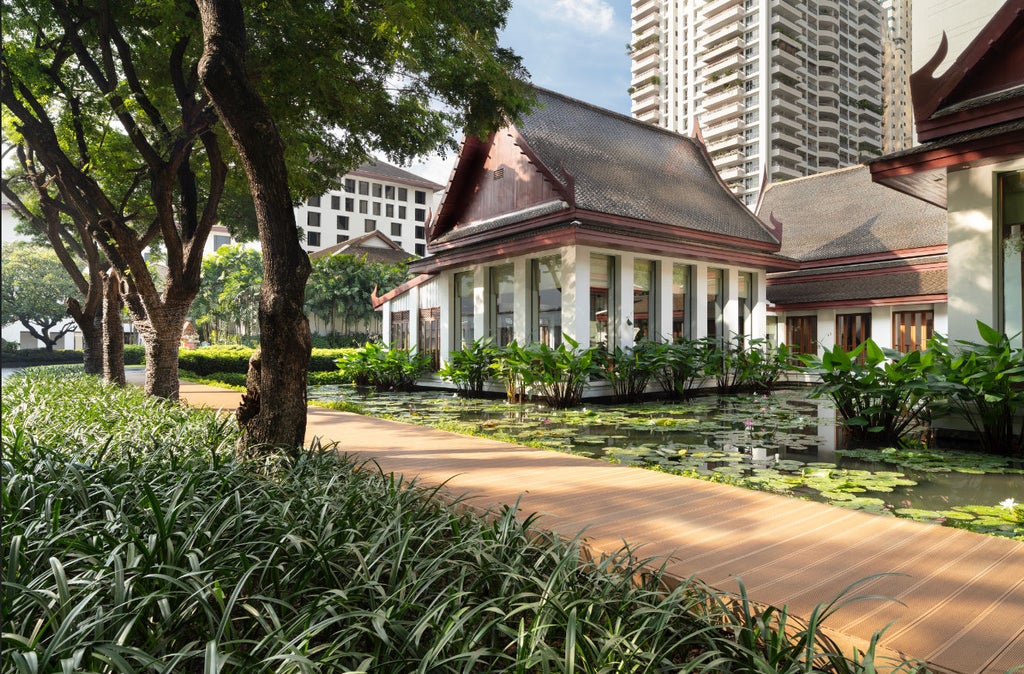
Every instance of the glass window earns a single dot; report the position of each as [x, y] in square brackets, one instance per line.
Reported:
[350, 204]
[421, 215]
[369, 225]
[376, 208]
[364, 187]
[801, 335]
[336, 202]
[1011, 215]
[546, 278]
[716, 303]
[401, 212]
[644, 301]
[464, 309]
[342, 238]
[421, 232]
[342, 222]
[421, 249]
[312, 219]
[389, 191]
[396, 229]
[852, 330]
[314, 201]
[911, 330]
[421, 197]
[313, 238]
[602, 302]
[502, 293]
[403, 194]
[389, 210]
[350, 185]
[429, 337]
[400, 329]
[746, 302]
[364, 206]
[377, 190]
[681, 301]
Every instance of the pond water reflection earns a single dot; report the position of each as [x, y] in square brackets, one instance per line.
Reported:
[722, 437]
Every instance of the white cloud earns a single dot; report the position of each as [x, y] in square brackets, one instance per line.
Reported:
[595, 16]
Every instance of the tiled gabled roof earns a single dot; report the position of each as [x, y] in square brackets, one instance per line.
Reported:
[844, 214]
[628, 168]
[375, 168]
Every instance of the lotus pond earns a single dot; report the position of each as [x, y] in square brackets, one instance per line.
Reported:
[723, 438]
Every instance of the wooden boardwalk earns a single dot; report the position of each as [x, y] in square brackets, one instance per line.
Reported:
[959, 596]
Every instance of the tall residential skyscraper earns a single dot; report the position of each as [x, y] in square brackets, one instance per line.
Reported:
[783, 87]
[897, 111]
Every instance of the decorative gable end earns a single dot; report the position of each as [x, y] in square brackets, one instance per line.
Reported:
[510, 180]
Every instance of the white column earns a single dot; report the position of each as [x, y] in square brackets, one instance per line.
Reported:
[385, 322]
[480, 307]
[700, 301]
[445, 294]
[576, 295]
[759, 315]
[826, 330]
[414, 317]
[731, 305]
[521, 303]
[881, 326]
[626, 318]
[663, 331]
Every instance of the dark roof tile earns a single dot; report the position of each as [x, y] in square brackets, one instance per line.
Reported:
[843, 213]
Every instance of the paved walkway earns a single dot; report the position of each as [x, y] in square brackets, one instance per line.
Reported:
[960, 595]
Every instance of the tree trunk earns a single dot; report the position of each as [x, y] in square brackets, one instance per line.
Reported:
[92, 343]
[113, 333]
[161, 336]
[276, 409]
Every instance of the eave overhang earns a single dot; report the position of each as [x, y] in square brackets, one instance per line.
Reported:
[573, 226]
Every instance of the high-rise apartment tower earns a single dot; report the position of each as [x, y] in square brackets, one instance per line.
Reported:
[782, 88]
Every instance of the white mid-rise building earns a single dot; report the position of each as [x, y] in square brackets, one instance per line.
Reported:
[374, 197]
[779, 88]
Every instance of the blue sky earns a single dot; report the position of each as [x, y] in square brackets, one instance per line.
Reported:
[574, 47]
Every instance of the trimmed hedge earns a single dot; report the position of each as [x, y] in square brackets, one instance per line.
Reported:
[207, 360]
[134, 354]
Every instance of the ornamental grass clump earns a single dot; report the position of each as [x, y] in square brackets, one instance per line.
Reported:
[134, 541]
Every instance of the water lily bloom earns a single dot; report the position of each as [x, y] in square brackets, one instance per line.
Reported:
[1008, 504]
[748, 423]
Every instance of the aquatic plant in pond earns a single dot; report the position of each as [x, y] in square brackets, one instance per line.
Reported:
[712, 438]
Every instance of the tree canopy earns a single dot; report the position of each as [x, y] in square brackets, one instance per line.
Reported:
[36, 289]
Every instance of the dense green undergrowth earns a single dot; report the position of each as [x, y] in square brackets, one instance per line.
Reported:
[135, 542]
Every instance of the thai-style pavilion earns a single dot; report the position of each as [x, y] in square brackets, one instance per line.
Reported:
[580, 222]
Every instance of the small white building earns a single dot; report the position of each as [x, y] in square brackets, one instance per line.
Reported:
[581, 222]
[374, 197]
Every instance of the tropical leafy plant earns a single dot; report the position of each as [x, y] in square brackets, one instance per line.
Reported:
[984, 384]
[559, 375]
[763, 364]
[630, 370]
[133, 541]
[469, 367]
[679, 367]
[382, 368]
[880, 399]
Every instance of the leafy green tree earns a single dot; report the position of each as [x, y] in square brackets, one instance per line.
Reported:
[228, 298]
[401, 77]
[35, 289]
[340, 288]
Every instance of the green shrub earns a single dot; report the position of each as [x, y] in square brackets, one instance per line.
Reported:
[384, 369]
[680, 367]
[880, 399]
[133, 541]
[763, 364]
[984, 384]
[630, 370]
[9, 347]
[469, 367]
[557, 375]
[134, 354]
[206, 360]
[32, 357]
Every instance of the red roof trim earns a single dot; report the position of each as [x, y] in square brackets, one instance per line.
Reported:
[861, 273]
[939, 298]
[378, 302]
